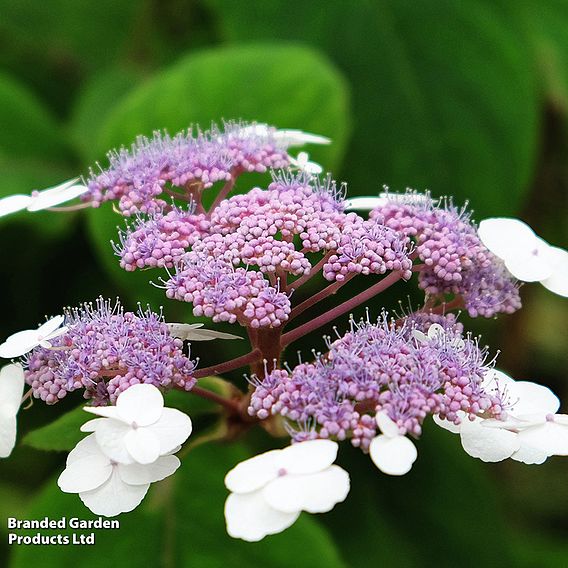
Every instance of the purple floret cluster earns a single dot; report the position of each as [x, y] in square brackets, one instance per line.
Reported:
[239, 263]
[380, 366]
[456, 260]
[106, 350]
[139, 177]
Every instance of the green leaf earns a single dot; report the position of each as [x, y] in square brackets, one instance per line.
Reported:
[95, 101]
[547, 27]
[443, 96]
[287, 85]
[62, 434]
[28, 129]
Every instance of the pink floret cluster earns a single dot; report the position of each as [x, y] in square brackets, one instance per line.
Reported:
[105, 351]
[380, 366]
[456, 260]
[195, 160]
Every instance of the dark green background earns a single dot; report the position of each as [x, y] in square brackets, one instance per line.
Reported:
[465, 98]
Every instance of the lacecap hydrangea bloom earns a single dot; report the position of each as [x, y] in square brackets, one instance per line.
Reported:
[243, 256]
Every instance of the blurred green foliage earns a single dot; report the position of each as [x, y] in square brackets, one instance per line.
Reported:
[465, 98]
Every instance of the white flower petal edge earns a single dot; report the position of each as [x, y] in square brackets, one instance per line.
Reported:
[193, 332]
[302, 163]
[13, 204]
[526, 256]
[23, 342]
[391, 452]
[106, 487]
[367, 203]
[530, 433]
[11, 389]
[269, 491]
[138, 429]
[56, 195]
[43, 199]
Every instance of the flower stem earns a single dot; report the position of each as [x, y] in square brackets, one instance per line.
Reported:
[225, 190]
[324, 319]
[230, 365]
[327, 291]
[231, 405]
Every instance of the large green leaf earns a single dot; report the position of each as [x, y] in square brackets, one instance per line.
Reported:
[95, 101]
[179, 524]
[443, 93]
[62, 434]
[288, 85]
[28, 129]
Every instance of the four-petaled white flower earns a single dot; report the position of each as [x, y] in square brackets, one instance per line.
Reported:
[106, 487]
[11, 389]
[139, 428]
[526, 256]
[24, 341]
[193, 332]
[436, 333]
[390, 451]
[269, 491]
[44, 199]
[302, 163]
[531, 431]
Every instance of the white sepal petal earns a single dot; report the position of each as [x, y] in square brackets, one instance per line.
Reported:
[364, 203]
[12, 382]
[550, 437]
[531, 398]
[104, 411]
[8, 430]
[393, 456]
[505, 236]
[13, 204]
[110, 435]
[142, 445]
[85, 474]
[193, 332]
[557, 282]
[307, 457]
[254, 473]
[138, 474]
[141, 404]
[250, 518]
[486, 443]
[114, 496]
[387, 426]
[172, 429]
[315, 493]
